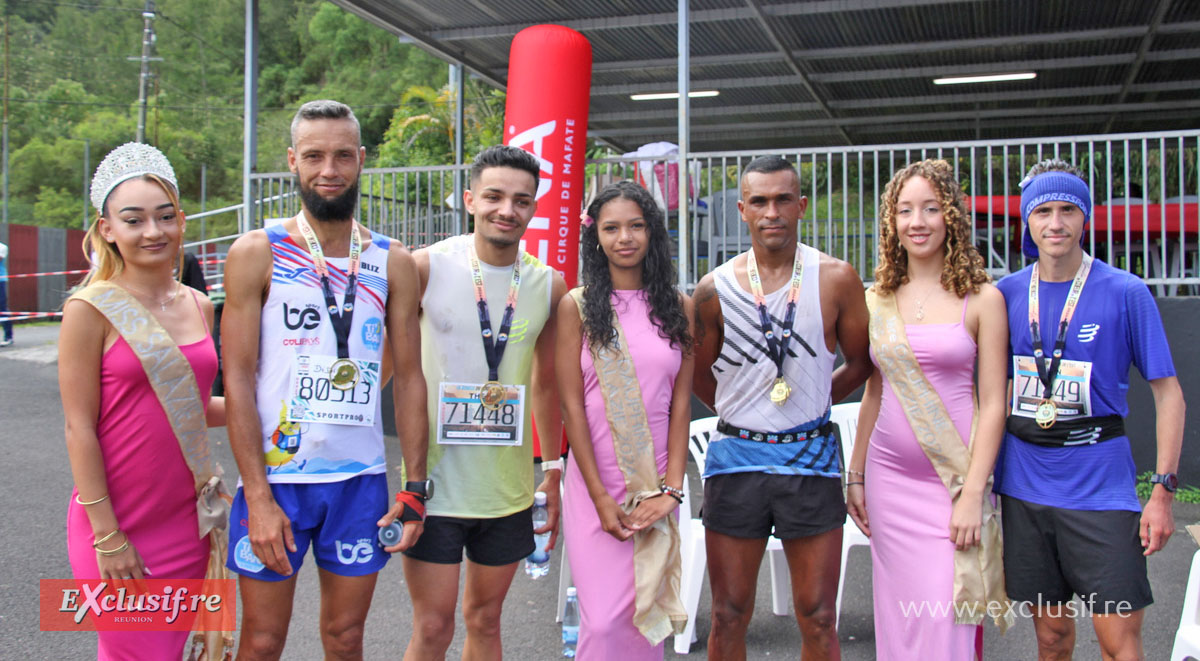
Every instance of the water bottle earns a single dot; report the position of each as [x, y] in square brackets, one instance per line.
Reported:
[537, 564]
[570, 623]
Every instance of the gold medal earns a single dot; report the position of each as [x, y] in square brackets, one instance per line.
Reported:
[492, 395]
[343, 374]
[780, 391]
[1046, 414]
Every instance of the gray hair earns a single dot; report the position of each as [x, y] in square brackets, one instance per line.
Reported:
[324, 109]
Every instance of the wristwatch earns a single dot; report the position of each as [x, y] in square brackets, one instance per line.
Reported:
[424, 488]
[1170, 481]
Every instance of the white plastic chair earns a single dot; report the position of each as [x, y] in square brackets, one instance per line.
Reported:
[1187, 639]
[695, 558]
[845, 416]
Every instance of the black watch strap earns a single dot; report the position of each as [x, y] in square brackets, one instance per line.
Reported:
[1170, 481]
[424, 488]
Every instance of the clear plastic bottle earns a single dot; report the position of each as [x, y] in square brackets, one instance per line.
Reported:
[570, 632]
[537, 564]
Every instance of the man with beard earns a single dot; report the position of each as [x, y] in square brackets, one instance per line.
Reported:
[489, 371]
[307, 304]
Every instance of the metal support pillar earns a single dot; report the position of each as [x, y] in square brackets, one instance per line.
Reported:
[249, 113]
[457, 83]
[684, 130]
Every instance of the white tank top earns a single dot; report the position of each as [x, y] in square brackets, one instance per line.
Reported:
[295, 323]
[744, 373]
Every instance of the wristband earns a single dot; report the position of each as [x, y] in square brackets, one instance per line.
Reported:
[414, 506]
[552, 465]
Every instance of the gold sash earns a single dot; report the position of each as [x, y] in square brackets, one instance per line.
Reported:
[979, 570]
[658, 609]
[174, 383]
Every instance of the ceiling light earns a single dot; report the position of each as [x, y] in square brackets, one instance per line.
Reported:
[658, 96]
[989, 78]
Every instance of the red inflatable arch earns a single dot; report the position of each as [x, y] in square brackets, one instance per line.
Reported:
[549, 83]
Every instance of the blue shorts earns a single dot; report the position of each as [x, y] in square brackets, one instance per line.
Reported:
[337, 518]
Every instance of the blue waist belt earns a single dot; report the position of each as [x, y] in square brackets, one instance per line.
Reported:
[775, 437]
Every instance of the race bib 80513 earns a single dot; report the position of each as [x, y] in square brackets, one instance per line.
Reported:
[314, 398]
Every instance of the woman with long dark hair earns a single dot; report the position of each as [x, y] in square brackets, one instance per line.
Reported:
[624, 366]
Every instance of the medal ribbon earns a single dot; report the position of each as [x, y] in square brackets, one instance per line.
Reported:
[340, 320]
[493, 347]
[776, 347]
[1047, 374]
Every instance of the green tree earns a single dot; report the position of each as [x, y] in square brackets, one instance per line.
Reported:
[58, 207]
[422, 128]
[71, 80]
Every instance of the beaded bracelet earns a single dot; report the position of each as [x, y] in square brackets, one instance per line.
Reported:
[851, 471]
[677, 494]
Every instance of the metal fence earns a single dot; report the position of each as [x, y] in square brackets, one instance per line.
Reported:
[1144, 188]
[417, 205]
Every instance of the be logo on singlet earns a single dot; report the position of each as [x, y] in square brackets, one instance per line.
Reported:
[308, 317]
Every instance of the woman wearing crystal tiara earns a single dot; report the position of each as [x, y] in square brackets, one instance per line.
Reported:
[925, 499]
[624, 365]
[136, 463]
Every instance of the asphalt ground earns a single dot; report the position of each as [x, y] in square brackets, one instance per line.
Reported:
[37, 484]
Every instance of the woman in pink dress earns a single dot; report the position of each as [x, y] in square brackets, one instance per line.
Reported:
[132, 513]
[952, 315]
[627, 273]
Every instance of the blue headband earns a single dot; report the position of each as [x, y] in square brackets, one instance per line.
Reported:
[1053, 186]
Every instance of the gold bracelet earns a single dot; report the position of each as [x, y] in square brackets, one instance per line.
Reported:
[117, 551]
[851, 471]
[91, 502]
[98, 542]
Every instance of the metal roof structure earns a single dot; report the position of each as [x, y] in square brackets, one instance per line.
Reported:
[837, 72]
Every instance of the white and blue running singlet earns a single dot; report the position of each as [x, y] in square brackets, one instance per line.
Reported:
[745, 373]
[296, 339]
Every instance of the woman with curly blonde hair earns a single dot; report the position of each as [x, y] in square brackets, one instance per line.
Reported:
[920, 486]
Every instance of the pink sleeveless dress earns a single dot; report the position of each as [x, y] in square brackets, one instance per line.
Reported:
[601, 566]
[150, 486]
[909, 510]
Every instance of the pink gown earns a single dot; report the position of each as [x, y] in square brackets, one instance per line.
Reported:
[151, 489]
[601, 566]
[909, 511]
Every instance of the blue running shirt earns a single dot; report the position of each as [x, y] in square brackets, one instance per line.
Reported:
[1116, 323]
